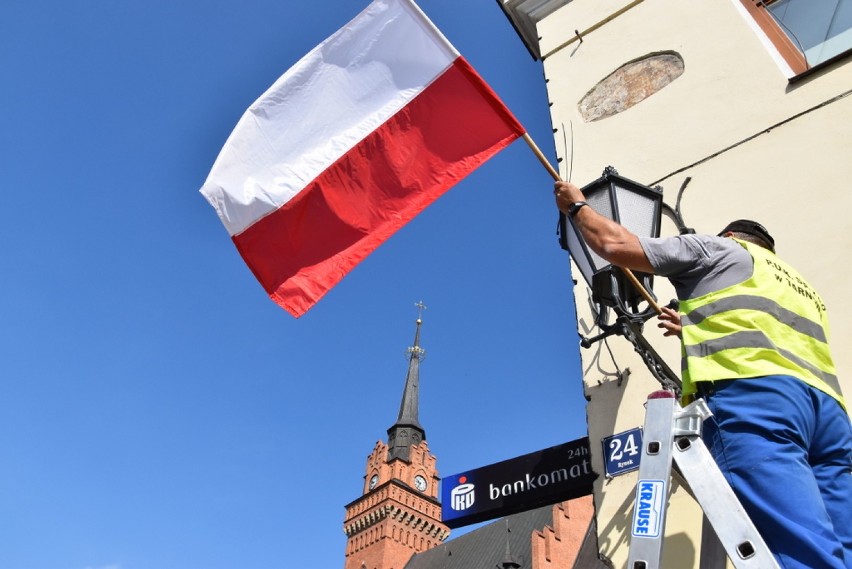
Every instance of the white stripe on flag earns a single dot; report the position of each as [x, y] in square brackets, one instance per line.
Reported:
[321, 107]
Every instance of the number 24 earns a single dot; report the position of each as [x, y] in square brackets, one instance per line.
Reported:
[618, 452]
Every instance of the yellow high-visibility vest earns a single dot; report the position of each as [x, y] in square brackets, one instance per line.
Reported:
[773, 323]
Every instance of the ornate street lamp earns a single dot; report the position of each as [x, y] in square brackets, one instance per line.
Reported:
[636, 207]
[639, 209]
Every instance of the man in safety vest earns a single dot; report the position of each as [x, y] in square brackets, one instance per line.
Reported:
[755, 347]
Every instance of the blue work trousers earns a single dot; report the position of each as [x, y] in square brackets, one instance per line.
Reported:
[786, 449]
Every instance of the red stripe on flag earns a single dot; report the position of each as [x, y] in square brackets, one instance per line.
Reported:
[304, 248]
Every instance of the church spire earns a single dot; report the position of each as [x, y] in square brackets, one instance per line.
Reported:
[509, 562]
[398, 513]
[407, 430]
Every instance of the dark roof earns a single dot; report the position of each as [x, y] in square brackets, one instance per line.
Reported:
[486, 547]
[587, 557]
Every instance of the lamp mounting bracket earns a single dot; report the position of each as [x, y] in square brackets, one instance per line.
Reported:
[631, 329]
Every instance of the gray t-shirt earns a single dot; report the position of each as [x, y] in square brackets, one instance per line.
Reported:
[698, 264]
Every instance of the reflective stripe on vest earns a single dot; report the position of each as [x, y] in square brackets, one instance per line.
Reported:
[773, 323]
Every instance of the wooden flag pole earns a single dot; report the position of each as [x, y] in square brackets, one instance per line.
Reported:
[645, 294]
[557, 178]
[542, 158]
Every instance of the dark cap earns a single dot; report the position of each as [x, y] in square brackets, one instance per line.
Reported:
[752, 228]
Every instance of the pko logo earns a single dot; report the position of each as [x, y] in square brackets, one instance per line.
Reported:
[462, 496]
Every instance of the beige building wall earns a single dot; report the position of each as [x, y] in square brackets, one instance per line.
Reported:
[753, 144]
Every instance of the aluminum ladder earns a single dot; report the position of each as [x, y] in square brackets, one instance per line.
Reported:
[673, 435]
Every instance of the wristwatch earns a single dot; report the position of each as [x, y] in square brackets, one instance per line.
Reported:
[575, 207]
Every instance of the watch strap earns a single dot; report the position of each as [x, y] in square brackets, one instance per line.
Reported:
[575, 207]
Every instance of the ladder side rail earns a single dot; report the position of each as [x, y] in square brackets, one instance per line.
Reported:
[712, 554]
[735, 530]
[653, 487]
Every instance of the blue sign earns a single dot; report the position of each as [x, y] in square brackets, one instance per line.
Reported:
[621, 452]
[518, 484]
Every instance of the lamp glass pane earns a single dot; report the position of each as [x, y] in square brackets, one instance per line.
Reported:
[636, 211]
[598, 199]
[576, 250]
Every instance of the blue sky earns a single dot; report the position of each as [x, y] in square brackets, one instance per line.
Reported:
[158, 410]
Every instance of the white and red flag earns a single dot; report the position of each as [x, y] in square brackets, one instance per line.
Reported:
[352, 142]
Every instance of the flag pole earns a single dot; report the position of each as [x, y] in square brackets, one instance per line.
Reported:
[557, 178]
[542, 158]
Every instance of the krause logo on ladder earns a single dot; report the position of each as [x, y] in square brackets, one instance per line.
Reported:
[648, 510]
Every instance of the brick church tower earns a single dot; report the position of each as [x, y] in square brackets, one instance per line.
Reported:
[398, 513]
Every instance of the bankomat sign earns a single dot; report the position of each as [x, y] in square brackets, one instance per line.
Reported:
[518, 484]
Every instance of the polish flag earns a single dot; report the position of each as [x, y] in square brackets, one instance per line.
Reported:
[352, 142]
